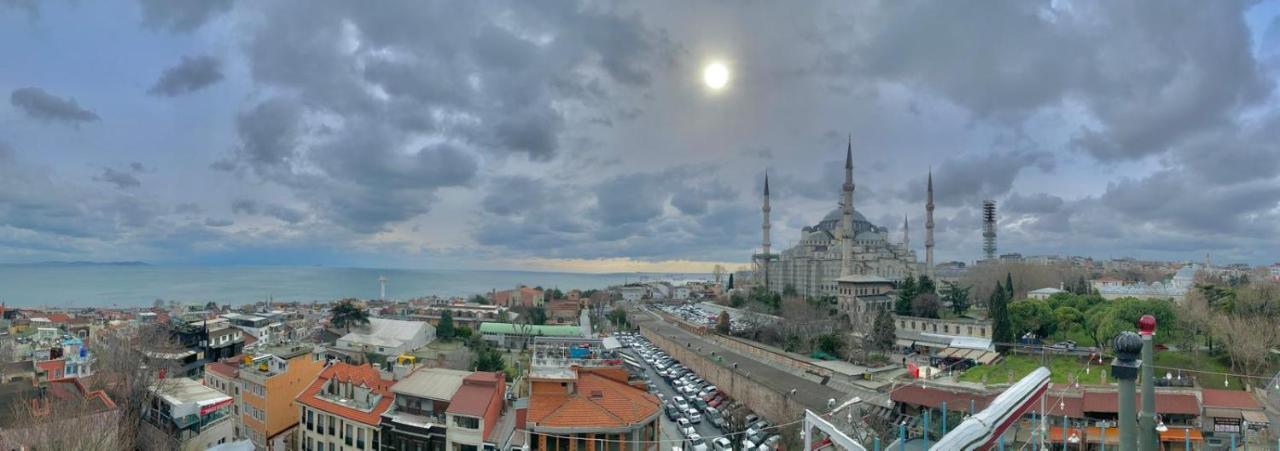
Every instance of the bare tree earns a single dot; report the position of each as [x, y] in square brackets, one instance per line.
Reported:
[37, 422]
[126, 369]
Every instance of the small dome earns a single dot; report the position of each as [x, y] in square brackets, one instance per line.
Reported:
[818, 235]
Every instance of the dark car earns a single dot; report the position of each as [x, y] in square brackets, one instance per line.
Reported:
[672, 411]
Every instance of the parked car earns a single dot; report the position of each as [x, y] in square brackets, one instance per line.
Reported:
[672, 411]
[722, 444]
[696, 443]
[685, 427]
[693, 415]
[770, 443]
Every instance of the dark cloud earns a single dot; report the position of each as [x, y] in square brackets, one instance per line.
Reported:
[211, 222]
[120, 179]
[45, 107]
[971, 178]
[190, 75]
[136, 167]
[244, 207]
[514, 195]
[283, 213]
[1039, 203]
[180, 15]
[268, 133]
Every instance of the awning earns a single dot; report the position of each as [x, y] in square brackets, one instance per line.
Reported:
[1255, 417]
[1215, 412]
[1181, 434]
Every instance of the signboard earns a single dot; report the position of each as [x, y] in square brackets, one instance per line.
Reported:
[205, 410]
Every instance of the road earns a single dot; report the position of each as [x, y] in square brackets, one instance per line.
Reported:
[808, 393]
[670, 432]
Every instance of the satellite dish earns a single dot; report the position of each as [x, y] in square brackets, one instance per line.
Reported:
[831, 403]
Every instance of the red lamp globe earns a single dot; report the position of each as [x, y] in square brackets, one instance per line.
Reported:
[1147, 325]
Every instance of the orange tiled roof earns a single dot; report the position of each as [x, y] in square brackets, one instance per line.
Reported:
[475, 395]
[1232, 399]
[358, 375]
[224, 368]
[599, 401]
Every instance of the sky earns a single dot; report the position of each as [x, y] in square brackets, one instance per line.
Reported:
[579, 136]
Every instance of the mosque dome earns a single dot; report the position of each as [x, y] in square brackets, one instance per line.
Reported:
[831, 222]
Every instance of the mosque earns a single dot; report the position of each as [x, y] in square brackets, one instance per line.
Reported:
[844, 245]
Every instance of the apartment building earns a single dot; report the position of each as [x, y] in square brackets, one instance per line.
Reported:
[591, 408]
[269, 385]
[189, 415]
[342, 409]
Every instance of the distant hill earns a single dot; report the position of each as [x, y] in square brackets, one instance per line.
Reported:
[78, 263]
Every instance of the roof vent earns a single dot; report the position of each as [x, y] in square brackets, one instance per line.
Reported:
[596, 394]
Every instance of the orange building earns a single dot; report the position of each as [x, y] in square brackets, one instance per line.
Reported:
[269, 385]
[594, 406]
[343, 407]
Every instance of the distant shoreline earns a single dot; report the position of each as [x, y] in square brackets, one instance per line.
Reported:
[57, 264]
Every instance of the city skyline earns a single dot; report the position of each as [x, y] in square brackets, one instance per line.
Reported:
[578, 137]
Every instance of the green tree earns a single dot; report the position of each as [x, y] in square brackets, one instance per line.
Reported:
[998, 309]
[346, 314]
[487, 358]
[730, 285]
[618, 317]
[478, 299]
[462, 332]
[1008, 284]
[906, 293]
[211, 306]
[554, 294]
[723, 322]
[1066, 317]
[737, 300]
[537, 315]
[830, 344]
[883, 332]
[926, 305]
[957, 295]
[444, 329]
[926, 285]
[1033, 317]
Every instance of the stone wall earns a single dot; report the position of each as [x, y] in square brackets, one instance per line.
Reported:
[776, 356]
[762, 400]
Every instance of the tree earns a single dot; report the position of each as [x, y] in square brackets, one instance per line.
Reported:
[618, 317]
[124, 369]
[478, 299]
[956, 295]
[444, 329]
[730, 287]
[1033, 317]
[158, 304]
[1001, 329]
[717, 271]
[487, 358]
[925, 285]
[1008, 284]
[926, 305]
[737, 300]
[462, 332]
[346, 314]
[537, 315]
[830, 344]
[1065, 317]
[906, 294]
[211, 306]
[723, 322]
[789, 290]
[883, 333]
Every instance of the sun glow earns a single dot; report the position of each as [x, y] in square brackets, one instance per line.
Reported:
[715, 76]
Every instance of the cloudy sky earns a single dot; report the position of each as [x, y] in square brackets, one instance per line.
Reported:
[560, 135]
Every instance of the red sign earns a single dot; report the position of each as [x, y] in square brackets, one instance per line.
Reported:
[204, 410]
[913, 370]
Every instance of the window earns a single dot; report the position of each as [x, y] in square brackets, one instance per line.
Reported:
[466, 422]
[310, 414]
[349, 437]
[331, 428]
[360, 438]
[946, 328]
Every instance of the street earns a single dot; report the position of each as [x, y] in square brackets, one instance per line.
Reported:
[671, 435]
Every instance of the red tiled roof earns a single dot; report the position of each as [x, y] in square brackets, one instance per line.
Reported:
[1169, 403]
[475, 395]
[59, 317]
[599, 401]
[358, 375]
[249, 339]
[933, 398]
[1230, 399]
[223, 368]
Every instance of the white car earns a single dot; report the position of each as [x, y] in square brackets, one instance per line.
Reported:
[721, 444]
[693, 415]
[685, 427]
[696, 443]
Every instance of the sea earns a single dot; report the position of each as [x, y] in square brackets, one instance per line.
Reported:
[141, 285]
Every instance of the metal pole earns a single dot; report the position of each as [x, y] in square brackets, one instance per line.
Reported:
[1001, 442]
[1064, 432]
[1035, 429]
[1186, 439]
[1233, 441]
[944, 419]
[1128, 439]
[1103, 440]
[926, 429]
[902, 435]
[1147, 421]
[877, 444]
[971, 407]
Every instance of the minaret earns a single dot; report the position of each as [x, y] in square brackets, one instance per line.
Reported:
[846, 204]
[928, 230]
[906, 237]
[765, 210]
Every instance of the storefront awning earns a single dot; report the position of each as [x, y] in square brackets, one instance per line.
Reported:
[1181, 434]
[1255, 417]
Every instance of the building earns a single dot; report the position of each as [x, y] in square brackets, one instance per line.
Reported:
[634, 292]
[64, 357]
[473, 413]
[190, 415]
[35, 413]
[936, 334]
[1044, 293]
[269, 384]
[387, 337]
[862, 297]
[470, 315]
[563, 311]
[343, 408]
[521, 296]
[509, 335]
[261, 328]
[595, 408]
[818, 258]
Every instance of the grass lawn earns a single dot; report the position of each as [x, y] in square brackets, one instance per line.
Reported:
[442, 345]
[1061, 367]
[1170, 359]
[1022, 365]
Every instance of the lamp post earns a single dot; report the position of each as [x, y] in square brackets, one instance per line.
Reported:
[1125, 370]
[1147, 421]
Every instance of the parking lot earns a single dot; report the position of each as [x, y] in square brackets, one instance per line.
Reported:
[654, 359]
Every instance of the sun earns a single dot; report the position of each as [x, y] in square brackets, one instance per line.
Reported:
[715, 76]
